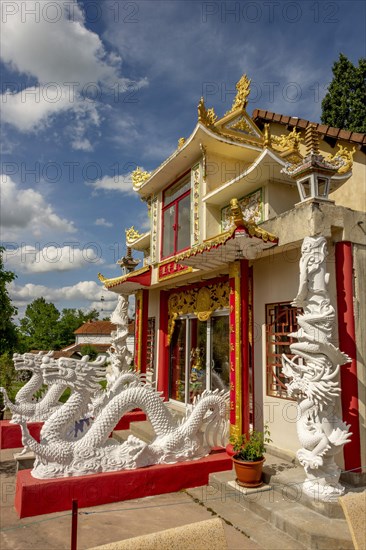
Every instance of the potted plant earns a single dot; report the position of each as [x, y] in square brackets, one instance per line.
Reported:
[248, 456]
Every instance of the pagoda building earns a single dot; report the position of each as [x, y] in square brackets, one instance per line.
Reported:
[228, 211]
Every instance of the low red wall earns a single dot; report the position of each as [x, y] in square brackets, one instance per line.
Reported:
[11, 434]
[34, 497]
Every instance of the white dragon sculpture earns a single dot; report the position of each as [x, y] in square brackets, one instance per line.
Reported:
[119, 355]
[59, 455]
[314, 371]
[26, 405]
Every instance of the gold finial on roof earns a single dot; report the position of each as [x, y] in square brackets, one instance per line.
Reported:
[207, 117]
[132, 235]
[267, 135]
[181, 142]
[139, 177]
[243, 91]
[312, 140]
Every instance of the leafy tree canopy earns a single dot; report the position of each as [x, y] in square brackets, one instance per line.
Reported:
[72, 319]
[8, 329]
[344, 105]
[45, 328]
[90, 350]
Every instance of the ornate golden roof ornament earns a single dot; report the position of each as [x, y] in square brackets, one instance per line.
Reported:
[181, 142]
[287, 141]
[343, 156]
[243, 91]
[252, 228]
[207, 117]
[267, 135]
[139, 177]
[241, 125]
[132, 235]
[101, 278]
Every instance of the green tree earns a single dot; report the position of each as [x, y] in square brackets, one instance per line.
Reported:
[90, 350]
[40, 325]
[72, 319]
[8, 330]
[344, 105]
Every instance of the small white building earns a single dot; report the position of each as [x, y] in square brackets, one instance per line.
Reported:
[98, 335]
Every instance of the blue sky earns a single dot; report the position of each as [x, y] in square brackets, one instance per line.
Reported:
[90, 90]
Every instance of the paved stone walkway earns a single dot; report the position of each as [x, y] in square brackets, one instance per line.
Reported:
[102, 524]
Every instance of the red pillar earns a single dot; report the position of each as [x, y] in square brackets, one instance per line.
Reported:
[163, 355]
[245, 351]
[347, 344]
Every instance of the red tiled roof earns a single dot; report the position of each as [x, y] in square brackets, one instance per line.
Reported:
[96, 327]
[260, 115]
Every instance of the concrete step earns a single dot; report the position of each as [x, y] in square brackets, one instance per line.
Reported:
[121, 435]
[219, 498]
[282, 509]
[143, 430]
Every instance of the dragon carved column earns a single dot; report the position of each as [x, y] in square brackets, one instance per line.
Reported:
[119, 354]
[314, 380]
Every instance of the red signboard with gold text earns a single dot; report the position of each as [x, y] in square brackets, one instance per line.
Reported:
[171, 269]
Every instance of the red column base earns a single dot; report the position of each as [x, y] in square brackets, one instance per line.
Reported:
[11, 434]
[34, 497]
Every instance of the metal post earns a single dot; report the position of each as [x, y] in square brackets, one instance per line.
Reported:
[74, 525]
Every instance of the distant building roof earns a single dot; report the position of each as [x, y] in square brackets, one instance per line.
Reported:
[329, 132]
[96, 327]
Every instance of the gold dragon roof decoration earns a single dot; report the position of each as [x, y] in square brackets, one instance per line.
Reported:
[139, 176]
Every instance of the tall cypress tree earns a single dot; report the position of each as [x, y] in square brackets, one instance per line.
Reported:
[8, 331]
[344, 105]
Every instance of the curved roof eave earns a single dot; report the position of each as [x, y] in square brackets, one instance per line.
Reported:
[266, 153]
[189, 152]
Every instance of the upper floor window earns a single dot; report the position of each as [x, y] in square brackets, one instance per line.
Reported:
[177, 217]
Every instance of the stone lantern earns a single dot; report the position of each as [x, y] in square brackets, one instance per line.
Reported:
[314, 172]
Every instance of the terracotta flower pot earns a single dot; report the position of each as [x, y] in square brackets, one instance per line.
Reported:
[249, 474]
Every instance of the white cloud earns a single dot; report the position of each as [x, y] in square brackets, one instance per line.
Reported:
[121, 183]
[88, 291]
[68, 61]
[102, 221]
[29, 259]
[26, 209]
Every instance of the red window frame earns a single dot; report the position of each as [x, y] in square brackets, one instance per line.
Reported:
[175, 226]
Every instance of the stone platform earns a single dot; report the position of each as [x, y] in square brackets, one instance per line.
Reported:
[35, 497]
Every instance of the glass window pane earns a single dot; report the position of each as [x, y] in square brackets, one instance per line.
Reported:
[168, 236]
[197, 367]
[177, 361]
[184, 223]
[176, 190]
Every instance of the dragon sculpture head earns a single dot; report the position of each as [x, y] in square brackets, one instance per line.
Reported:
[30, 361]
[77, 374]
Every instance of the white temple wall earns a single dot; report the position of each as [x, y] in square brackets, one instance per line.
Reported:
[93, 338]
[275, 279]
